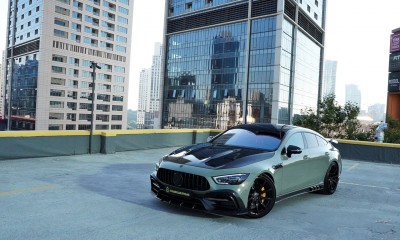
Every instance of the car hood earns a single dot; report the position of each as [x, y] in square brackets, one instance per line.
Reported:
[207, 155]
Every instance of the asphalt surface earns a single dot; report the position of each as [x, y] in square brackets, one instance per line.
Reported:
[108, 197]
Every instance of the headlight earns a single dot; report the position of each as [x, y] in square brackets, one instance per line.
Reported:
[233, 179]
[157, 167]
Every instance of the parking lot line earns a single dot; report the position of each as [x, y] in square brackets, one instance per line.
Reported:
[370, 186]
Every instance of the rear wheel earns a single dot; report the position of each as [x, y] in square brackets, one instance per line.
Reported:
[262, 197]
[331, 180]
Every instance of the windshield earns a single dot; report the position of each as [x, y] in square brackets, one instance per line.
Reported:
[245, 138]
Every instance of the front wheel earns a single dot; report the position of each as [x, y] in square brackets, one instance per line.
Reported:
[331, 180]
[262, 197]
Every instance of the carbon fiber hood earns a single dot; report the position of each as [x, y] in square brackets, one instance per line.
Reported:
[207, 155]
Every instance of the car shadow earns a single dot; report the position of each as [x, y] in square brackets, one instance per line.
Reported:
[131, 183]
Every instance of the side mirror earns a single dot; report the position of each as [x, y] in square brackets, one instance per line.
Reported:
[209, 138]
[293, 150]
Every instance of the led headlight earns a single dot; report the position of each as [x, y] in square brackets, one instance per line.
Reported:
[233, 179]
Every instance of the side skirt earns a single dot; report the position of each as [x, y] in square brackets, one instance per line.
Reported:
[299, 192]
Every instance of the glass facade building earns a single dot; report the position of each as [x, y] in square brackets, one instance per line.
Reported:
[48, 75]
[240, 61]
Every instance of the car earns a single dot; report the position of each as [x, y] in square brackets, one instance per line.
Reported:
[245, 170]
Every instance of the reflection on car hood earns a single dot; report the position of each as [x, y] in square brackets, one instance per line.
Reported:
[207, 155]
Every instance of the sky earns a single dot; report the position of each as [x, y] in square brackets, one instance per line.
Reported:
[357, 36]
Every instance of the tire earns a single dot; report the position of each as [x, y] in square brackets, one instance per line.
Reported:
[262, 197]
[331, 180]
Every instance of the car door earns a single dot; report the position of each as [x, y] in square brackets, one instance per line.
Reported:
[294, 176]
[315, 163]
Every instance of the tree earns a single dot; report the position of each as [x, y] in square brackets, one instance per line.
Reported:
[334, 121]
[392, 133]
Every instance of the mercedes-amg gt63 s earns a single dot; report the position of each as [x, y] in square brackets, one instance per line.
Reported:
[246, 169]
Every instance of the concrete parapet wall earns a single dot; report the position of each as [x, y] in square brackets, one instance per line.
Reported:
[28, 144]
[369, 151]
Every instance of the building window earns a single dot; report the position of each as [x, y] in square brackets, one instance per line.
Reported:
[116, 127]
[116, 117]
[316, 16]
[55, 127]
[188, 6]
[56, 69]
[70, 127]
[308, 8]
[116, 107]
[56, 104]
[316, 3]
[59, 58]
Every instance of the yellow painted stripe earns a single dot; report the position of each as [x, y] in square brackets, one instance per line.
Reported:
[46, 133]
[111, 133]
[391, 145]
[34, 189]
[156, 131]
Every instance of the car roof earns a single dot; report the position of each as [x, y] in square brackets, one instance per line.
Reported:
[278, 130]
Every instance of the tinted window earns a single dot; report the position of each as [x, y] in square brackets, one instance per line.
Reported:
[311, 140]
[244, 138]
[321, 141]
[296, 140]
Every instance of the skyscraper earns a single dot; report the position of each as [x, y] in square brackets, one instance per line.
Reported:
[50, 47]
[234, 61]
[144, 98]
[149, 93]
[353, 94]
[329, 82]
[2, 85]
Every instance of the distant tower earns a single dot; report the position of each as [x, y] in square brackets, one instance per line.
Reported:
[148, 116]
[2, 85]
[144, 95]
[353, 94]
[329, 82]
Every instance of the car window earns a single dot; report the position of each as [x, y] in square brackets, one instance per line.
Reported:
[311, 140]
[245, 138]
[296, 140]
[321, 141]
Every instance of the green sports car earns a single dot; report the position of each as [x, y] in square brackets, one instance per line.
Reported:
[246, 169]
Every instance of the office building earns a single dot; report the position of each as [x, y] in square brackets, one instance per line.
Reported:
[377, 112]
[50, 49]
[241, 61]
[149, 93]
[393, 96]
[329, 82]
[353, 95]
[143, 100]
[2, 85]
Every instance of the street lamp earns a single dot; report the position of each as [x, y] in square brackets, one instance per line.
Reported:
[93, 66]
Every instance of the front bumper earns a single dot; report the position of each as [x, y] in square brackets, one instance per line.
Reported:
[220, 202]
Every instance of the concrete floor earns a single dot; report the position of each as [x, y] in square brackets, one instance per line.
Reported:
[108, 197]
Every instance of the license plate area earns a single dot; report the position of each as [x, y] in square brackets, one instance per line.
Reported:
[177, 192]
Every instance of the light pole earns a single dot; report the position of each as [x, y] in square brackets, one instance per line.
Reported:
[93, 66]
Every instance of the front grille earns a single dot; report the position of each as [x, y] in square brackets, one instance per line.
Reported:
[190, 181]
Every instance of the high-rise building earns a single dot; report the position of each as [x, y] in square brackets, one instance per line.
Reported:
[329, 82]
[234, 61]
[393, 96]
[377, 112]
[353, 94]
[149, 93]
[2, 85]
[144, 98]
[50, 49]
